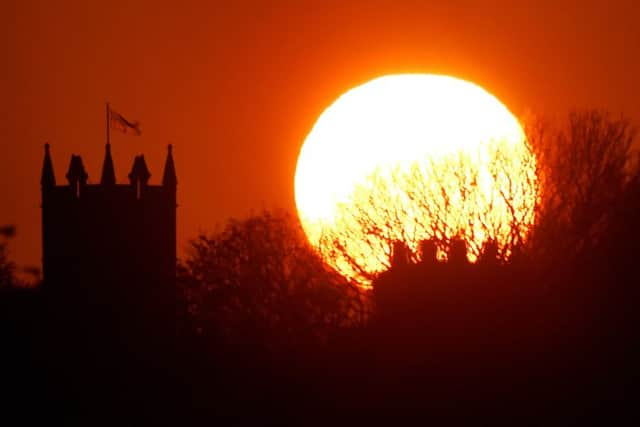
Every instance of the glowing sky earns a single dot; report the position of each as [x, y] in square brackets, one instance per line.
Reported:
[236, 86]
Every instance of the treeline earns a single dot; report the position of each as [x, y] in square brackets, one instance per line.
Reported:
[543, 329]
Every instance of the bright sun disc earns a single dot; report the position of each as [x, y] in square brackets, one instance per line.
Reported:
[412, 157]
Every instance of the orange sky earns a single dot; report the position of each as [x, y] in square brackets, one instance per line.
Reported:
[236, 86]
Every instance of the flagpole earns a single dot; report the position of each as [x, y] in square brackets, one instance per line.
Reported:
[108, 125]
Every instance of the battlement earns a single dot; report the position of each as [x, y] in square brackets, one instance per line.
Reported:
[108, 233]
[77, 186]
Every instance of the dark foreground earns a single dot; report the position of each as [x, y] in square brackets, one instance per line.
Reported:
[504, 357]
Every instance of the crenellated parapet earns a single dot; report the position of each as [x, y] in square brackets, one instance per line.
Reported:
[108, 233]
[78, 185]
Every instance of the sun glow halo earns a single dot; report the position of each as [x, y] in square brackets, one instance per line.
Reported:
[450, 132]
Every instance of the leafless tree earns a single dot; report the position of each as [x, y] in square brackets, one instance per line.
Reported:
[584, 168]
[457, 197]
[551, 199]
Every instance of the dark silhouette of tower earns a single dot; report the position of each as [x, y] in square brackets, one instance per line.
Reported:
[109, 249]
[109, 270]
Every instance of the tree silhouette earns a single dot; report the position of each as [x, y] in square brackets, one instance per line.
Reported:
[585, 169]
[7, 267]
[577, 179]
[457, 197]
[258, 280]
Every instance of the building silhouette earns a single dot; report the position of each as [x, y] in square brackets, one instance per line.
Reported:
[109, 249]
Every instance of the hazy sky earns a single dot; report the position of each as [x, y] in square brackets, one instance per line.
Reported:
[236, 86]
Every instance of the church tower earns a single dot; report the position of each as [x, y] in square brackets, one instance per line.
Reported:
[110, 247]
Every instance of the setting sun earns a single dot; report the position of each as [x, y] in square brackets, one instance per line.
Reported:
[413, 157]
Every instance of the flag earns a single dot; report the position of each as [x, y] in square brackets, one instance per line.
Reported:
[116, 121]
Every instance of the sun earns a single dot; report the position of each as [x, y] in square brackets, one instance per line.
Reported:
[411, 157]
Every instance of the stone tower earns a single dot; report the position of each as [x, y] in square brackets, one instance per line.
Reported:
[109, 247]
